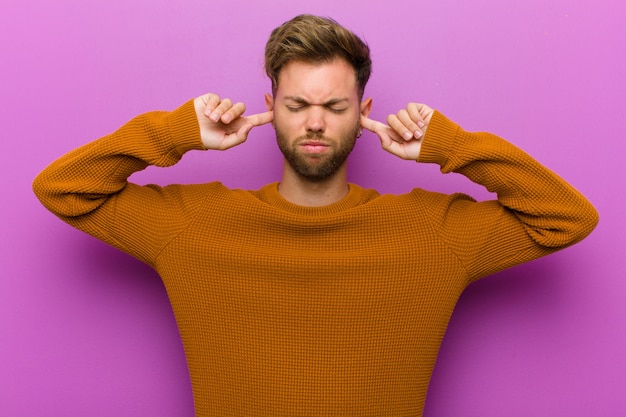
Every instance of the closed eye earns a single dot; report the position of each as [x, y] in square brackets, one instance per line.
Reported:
[337, 110]
[297, 108]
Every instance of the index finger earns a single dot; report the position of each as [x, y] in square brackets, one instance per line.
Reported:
[384, 132]
[371, 125]
[260, 119]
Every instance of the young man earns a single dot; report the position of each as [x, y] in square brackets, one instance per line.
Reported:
[313, 296]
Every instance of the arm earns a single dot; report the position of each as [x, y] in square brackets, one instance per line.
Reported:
[536, 211]
[89, 189]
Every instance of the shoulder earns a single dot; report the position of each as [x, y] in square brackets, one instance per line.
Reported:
[419, 196]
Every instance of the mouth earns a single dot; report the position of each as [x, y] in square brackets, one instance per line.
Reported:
[314, 146]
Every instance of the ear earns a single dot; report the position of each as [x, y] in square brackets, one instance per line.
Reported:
[269, 102]
[366, 107]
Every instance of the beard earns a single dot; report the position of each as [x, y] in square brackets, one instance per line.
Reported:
[323, 165]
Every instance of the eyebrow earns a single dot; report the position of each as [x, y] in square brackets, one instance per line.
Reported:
[330, 102]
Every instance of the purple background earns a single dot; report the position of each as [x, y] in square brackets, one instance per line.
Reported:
[88, 331]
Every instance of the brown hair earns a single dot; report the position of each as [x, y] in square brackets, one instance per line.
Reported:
[315, 39]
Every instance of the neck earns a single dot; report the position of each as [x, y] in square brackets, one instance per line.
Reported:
[304, 192]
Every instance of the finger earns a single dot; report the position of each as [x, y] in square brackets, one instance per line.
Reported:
[384, 132]
[260, 118]
[420, 113]
[424, 111]
[397, 126]
[244, 131]
[224, 105]
[209, 103]
[238, 137]
[234, 138]
[232, 113]
[389, 138]
[372, 125]
[411, 123]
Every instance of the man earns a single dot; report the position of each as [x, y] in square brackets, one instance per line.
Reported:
[313, 296]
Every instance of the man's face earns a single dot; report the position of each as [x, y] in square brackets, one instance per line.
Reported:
[316, 116]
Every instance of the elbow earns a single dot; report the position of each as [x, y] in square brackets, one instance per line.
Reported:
[40, 189]
[588, 220]
[52, 195]
[566, 229]
[584, 220]
[47, 195]
[572, 229]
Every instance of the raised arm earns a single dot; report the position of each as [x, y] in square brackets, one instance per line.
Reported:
[89, 188]
[536, 211]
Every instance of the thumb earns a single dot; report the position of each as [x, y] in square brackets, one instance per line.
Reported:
[237, 137]
[244, 131]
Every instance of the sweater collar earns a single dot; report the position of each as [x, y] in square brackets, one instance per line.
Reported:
[271, 196]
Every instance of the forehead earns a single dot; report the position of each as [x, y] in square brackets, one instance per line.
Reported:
[315, 82]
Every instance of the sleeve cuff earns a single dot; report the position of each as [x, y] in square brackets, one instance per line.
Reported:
[439, 140]
[184, 128]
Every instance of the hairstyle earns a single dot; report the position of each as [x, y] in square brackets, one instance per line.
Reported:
[314, 39]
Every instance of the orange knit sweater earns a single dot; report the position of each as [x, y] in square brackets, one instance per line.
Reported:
[330, 311]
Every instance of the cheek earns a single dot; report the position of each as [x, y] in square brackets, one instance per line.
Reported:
[344, 123]
[290, 124]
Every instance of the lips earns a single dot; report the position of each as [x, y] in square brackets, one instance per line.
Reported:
[314, 146]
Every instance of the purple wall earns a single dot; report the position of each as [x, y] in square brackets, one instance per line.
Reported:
[88, 331]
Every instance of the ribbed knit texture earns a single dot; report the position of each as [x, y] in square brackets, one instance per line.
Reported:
[328, 311]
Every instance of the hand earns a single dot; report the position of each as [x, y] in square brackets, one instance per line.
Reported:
[404, 131]
[222, 124]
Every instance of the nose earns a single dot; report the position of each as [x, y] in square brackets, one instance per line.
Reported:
[315, 122]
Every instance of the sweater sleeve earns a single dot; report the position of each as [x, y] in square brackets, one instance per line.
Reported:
[89, 189]
[536, 212]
